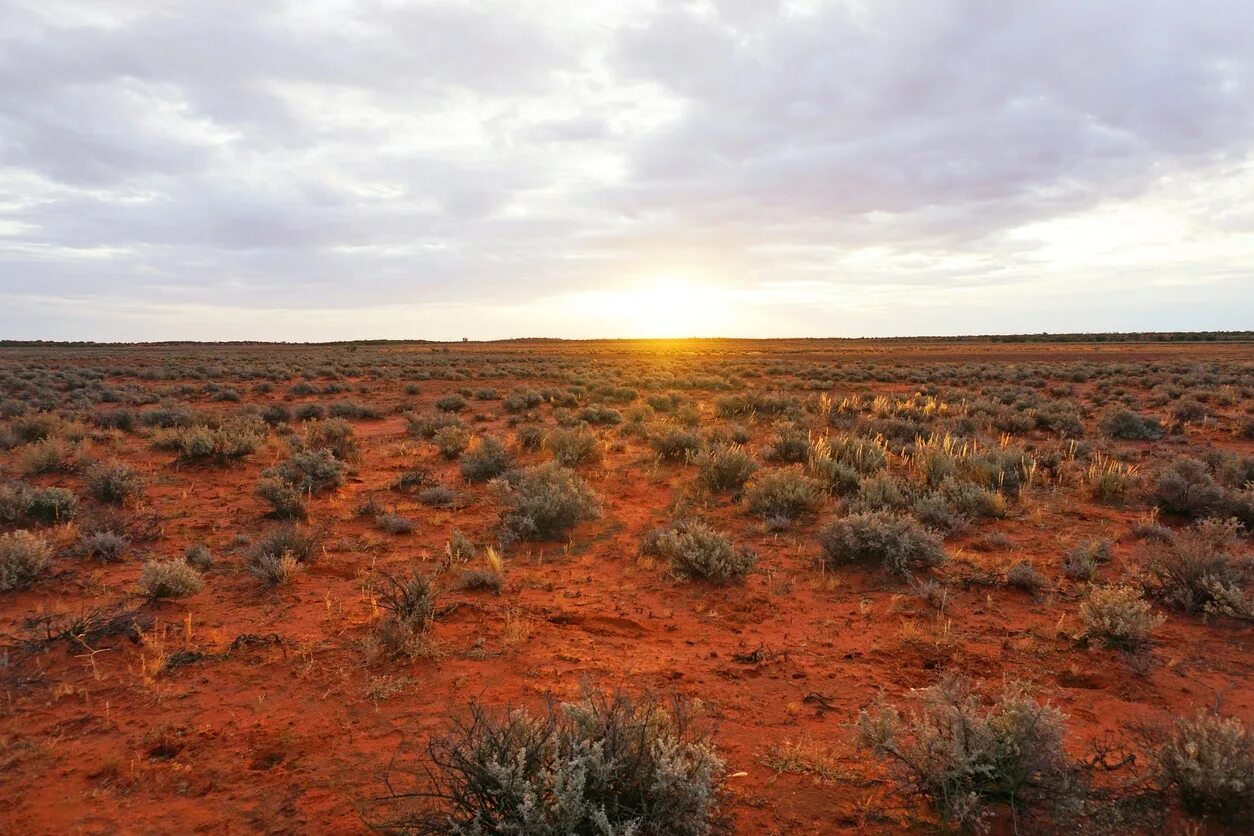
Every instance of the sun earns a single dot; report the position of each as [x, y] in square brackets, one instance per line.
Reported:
[665, 307]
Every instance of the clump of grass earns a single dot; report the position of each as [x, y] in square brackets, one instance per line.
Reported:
[607, 764]
[695, 550]
[790, 445]
[1209, 761]
[451, 441]
[491, 577]
[898, 544]
[279, 556]
[544, 501]
[49, 455]
[676, 444]
[170, 579]
[459, 548]
[23, 558]
[1109, 480]
[113, 482]
[105, 546]
[437, 496]
[1119, 617]
[410, 606]
[964, 757]
[784, 494]
[198, 557]
[724, 467]
[1081, 561]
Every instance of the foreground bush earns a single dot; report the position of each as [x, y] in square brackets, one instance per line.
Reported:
[544, 501]
[1210, 762]
[23, 558]
[963, 757]
[697, 551]
[605, 765]
[784, 494]
[900, 545]
[170, 579]
[1201, 570]
[21, 503]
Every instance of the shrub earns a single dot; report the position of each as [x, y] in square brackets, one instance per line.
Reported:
[545, 501]
[426, 426]
[1118, 616]
[573, 446]
[23, 558]
[962, 756]
[520, 400]
[459, 548]
[233, 440]
[865, 455]
[1126, 425]
[112, 482]
[784, 493]
[882, 492]
[20, 503]
[529, 437]
[286, 502]
[410, 606]
[395, 524]
[675, 444]
[277, 557]
[170, 579]
[310, 471]
[334, 434]
[603, 415]
[790, 444]
[608, 764]
[451, 403]
[50, 455]
[198, 557]
[1199, 569]
[105, 546]
[933, 509]
[1004, 469]
[697, 551]
[1023, 575]
[1081, 561]
[1210, 762]
[1187, 487]
[451, 441]
[724, 467]
[437, 496]
[898, 544]
[971, 500]
[486, 461]
[1109, 480]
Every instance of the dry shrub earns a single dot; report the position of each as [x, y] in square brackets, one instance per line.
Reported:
[1118, 616]
[900, 545]
[573, 446]
[963, 756]
[113, 482]
[23, 558]
[410, 606]
[1201, 570]
[544, 501]
[697, 551]
[724, 467]
[784, 493]
[609, 764]
[1209, 760]
[170, 579]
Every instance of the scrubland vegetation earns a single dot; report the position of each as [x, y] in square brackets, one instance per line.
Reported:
[667, 588]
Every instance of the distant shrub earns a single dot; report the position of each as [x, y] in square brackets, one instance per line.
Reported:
[1126, 425]
[1004, 469]
[724, 467]
[1118, 616]
[354, 410]
[573, 446]
[117, 419]
[610, 764]
[170, 579]
[963, 757]
[25, 503]
[1209, 760]
[675, 444]
[451, 403]
[233, 440]
[334, 434]
[695, 550]
[1201, 569]
[784, 493]
[112, 482]
[23, 558]
[882, 492]
[276, 413]
[865, 455]
[310, 471]
[544, 501]
[602, 415]
[105, 546]
[451, 441]
[899, 545]
[521, 400]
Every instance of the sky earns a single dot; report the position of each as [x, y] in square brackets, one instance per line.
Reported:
[318, 170]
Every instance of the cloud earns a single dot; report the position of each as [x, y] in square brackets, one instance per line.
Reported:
[915, 167]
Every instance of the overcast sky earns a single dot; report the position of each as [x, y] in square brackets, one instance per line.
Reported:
[327, 170]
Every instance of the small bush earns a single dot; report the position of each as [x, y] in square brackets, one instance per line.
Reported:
[1126, 425]
[724, 467]
[437, 496]
[486, 461]
[784, 493]
[573, 446]
[675, 444]
[882, 492]
[962, 756]
[105, 546]
[697, 551]
[1210, 762]
[170, 579]
[451, 403]
[900, 545]
[277, 557]
[545, 501]
[1200, 569]
[410, 606]
[23, 558]
[286, 501]
[529, 436]
[459, 548]
[310, 471]
[790, 445]
[333, 434]
[1023, 575]
[1118, 616]
[198, 557]
[113, 482]
[50, 455]
[23, 503]
[451, 441]
[610, 764]
[426, 426]
[1081, 561]
[395, 524]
